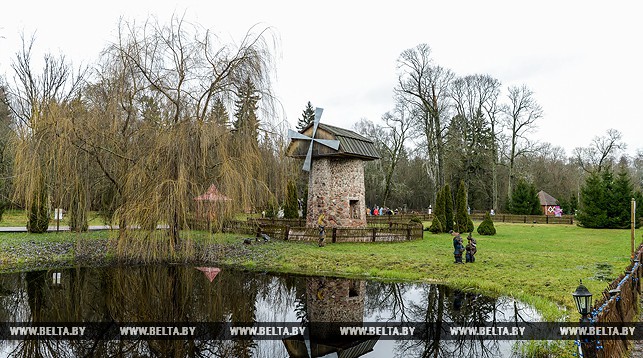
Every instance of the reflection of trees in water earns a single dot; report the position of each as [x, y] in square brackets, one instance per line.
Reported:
[436, 305]
[469, 309]
[386, 301]
[171, 294]
[183, 294]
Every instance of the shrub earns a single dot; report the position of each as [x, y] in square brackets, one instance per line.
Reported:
[463, 221]
[415, 219]
[436, 226]
[448, 207]
[486, 227]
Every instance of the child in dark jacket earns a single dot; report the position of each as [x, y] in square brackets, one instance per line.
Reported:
[471, 249]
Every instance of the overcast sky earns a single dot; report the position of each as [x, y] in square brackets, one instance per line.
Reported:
[582, 59]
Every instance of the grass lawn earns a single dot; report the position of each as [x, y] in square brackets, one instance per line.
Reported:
[19, 218]
[537, 264]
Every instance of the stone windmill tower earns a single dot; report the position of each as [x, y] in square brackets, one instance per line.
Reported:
[334, 158]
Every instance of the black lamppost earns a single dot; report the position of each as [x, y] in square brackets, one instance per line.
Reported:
[583, 300]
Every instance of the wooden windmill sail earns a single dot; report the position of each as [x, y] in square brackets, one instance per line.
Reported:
[330, 143]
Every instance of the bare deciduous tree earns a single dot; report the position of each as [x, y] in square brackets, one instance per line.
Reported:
[521, 115]
[601, 153]
[475, 102]
[492, 110]
[425, 86]
[398, 125]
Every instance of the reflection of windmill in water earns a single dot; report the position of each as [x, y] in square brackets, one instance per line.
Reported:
[334, 157]
[331, 300]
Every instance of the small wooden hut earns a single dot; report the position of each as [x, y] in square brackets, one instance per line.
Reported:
[548, 203]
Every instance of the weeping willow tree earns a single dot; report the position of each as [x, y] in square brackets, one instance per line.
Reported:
[37, 102]
[157, 134]
[149, 132]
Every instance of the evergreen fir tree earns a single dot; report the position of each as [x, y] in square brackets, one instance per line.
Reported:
[564, 205]
[219, 113]
[524, 199]
[291, 206]
[246, 123]
[307, 117]
[592, 211]
[609, 206]
[536, 208]
[448, 208]
[606, 201]
[462, 219]
[619, 210]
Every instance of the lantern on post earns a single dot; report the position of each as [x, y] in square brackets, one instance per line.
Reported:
[583, 299]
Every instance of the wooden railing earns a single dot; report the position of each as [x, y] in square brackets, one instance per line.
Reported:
[505, 218]
[282, 230]
[618, 305]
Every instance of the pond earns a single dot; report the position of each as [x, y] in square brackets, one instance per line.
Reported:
[189, 311]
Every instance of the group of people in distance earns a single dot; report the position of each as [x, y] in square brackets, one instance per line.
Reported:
[458, 248]
[376, 210]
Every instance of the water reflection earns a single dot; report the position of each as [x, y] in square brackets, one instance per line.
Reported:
[333, 301]
[185, 295]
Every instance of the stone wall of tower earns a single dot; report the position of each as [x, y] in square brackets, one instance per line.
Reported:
[336, 189]
[335, 300]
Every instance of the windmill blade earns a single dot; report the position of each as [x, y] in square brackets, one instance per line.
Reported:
[330, 143]
[309, 158]
[296, 135]
[318, 113]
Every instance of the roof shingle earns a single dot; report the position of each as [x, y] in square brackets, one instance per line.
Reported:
[351, 144]
[546, 199]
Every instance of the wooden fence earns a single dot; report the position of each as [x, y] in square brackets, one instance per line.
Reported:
[505, 218]
[618, 305]
[293, 230]
[406, 217]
